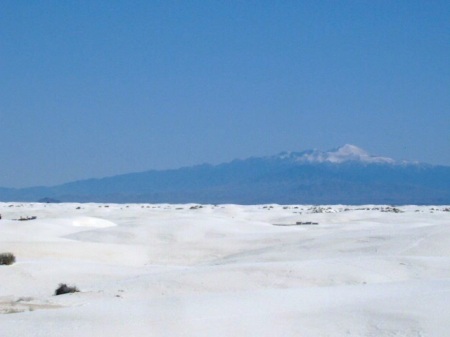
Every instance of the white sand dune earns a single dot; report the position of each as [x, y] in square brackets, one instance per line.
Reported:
[91, 222]
[225, 270]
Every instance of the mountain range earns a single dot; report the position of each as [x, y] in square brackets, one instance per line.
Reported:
[345, 175]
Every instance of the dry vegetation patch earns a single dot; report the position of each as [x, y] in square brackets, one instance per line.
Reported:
[7, 258]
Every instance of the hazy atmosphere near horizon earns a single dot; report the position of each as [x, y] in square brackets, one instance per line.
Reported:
[98, 88]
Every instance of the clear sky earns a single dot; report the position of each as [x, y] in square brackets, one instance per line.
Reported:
[97, 88]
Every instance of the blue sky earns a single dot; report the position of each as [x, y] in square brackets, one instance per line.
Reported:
[98, 88]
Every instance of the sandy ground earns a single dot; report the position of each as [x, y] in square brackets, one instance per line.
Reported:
[225, 270]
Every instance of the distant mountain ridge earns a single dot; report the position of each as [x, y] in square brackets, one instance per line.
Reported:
[345, 175]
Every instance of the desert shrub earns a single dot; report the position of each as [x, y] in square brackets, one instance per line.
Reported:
[7, 258]
[65, 289]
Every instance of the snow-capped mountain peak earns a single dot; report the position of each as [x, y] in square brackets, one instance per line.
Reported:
[339, 155]
[350, 152]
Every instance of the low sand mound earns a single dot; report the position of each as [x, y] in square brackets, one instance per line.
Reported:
[92, 222]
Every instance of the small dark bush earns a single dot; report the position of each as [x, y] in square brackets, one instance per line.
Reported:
[65, 289]
[7, 258]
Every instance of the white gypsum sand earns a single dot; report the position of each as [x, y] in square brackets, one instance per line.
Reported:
[226, 270]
